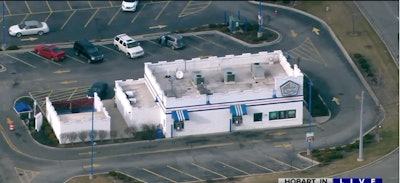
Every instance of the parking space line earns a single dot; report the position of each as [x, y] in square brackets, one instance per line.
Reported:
[90, 4]
[263, 167]
[281, 162]
[8, 9]
[138, 13]
[158, 175]
[72, 94]
[214, 43]
[196, 48]
[113, 17]
[233, 167]
[94, 165]
[216, 173]
[91, 18]
[21, 61]
[115, 51]
[162, 10]
[45, 59]
[69, 5]
[26, 16]
[27, 6]
[182, 172]
[312, 45]
[65, 23]
[48, 5]
[110, 3]
[48, 16]
[75, 59]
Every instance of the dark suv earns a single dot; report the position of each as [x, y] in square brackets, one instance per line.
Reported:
[87, 50]
[173, 40]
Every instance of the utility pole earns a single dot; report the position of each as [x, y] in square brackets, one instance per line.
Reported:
[260, 22]
[92, 140]
[309, 135]
[3, 45]
[360, 149]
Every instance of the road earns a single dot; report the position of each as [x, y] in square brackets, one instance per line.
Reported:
[384, 18]
[181, 159]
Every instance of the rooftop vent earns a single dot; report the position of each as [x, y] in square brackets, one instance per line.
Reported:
[229, 76]
[198, 78]
[257, 70]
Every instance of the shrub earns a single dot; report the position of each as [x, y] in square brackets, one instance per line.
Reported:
[13, 47]
[362, 61]
[370, 74]
[357, 56]
[112, 173]
[368, 138]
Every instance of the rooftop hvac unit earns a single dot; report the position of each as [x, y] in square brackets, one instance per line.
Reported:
[229, 76]
[257, 70]
[198, 78]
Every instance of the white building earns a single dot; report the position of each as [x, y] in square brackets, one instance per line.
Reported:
[65, 124]
[216, 94]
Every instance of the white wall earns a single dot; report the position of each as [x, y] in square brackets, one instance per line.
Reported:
[78, 122]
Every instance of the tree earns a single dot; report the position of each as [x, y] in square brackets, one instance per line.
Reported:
[113, 134]
[63, 138]
[102, 134]
[72, 137]
[83, 135]
[130, 131]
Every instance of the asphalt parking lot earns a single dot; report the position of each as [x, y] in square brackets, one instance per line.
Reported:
[70, 75]
[88, 18]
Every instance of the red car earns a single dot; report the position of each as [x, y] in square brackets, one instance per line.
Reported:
[50, 51]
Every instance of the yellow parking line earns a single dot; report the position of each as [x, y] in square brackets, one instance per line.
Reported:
[162, 10]
[69, 5]
[48, 5]
[184, 9]
[263, 167]
[182, 172]
[138, 13]
[158, 175]
[45, 59]
[86, 153]
[21, 60]
[18, 172]
[94, 165]
[10, 144]
[48, 16]
[65, 23]
[72, 94]
[201, 167]
[91, 18]
[27, 6]
[113, 17]
[233, 167]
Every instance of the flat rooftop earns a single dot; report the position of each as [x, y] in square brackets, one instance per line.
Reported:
[138, 90]
[217, 74]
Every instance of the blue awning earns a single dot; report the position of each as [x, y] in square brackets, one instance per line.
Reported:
[238, 110]
[180, 115]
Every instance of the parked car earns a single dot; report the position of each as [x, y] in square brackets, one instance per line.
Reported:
[173, 40]
[87, 50]
[100, 88]
[129, 5]
[28, 28]
[128, 45]
[50, 51]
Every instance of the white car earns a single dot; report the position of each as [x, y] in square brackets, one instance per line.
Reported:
[28, 28]
[128, 45]
[129, 5]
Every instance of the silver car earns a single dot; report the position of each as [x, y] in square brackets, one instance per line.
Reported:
[28, 28]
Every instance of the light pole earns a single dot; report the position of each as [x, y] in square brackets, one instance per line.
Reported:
[260, 21]
[310, 133]
[92, 143]
[3, 45]
[360, 144]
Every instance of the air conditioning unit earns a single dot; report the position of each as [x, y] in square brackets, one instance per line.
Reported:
[229, 76]
[198, 78]
[257, 70]
[237, 120]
